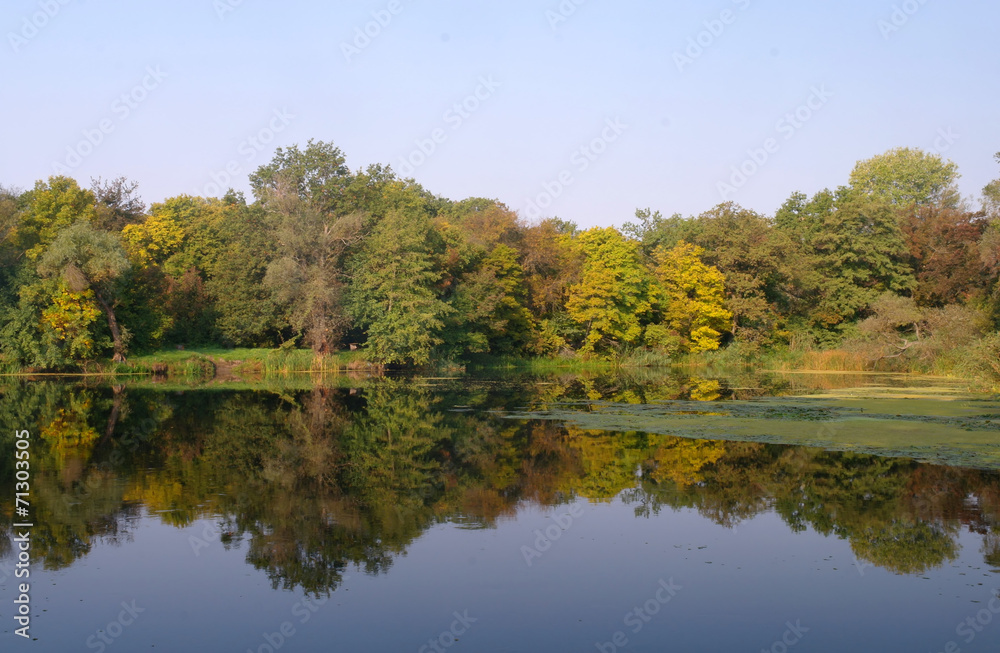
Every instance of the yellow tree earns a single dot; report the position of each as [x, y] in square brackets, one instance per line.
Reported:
[691, 295]
[612, 296]
[154, 240]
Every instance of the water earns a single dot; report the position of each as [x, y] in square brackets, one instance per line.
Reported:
[469, 514]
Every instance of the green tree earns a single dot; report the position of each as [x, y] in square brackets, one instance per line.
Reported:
[490, 307]
[654, 231]
[318, 175]
[906, 176]
[853, 251]
[612, 298]
[86, 258]
[394, 294]
[306, 277]
[757, 261]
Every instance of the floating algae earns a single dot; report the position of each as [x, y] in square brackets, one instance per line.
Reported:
[937, 424]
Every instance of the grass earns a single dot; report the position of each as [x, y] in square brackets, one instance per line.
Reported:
[211, 362]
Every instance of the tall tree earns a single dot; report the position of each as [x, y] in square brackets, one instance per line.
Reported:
[318, 175]
[394, 291]
[90, 259]
[757, 261]
[854, 251]
[51, 207]
[906, 176]
[612, 298]
[691, 297]
[306, 276]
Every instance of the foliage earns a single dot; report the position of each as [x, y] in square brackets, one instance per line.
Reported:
[612, 297]
[691, 298]
[394, 295]
[906, 176]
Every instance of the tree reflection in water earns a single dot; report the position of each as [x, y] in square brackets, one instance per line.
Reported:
[311, 482]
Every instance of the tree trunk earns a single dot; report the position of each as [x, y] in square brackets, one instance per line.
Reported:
[116, 334]
[116, 409]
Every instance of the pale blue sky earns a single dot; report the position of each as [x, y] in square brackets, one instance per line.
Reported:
[231, 77]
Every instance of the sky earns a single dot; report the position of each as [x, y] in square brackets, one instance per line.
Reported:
[581, 109]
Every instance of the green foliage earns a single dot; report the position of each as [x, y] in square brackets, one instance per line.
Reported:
[853, 252]
[394, 294]
[490, 315]
[318, 175]
[758, 262]
[86, 258]
[905, 176]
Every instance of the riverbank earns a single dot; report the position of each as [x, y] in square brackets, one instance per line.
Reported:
[979, 365]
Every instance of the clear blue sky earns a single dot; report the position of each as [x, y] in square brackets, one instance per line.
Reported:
[231, 75]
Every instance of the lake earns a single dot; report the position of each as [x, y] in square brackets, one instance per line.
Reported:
[621, 512]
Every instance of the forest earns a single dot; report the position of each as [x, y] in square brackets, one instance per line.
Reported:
[892, 270]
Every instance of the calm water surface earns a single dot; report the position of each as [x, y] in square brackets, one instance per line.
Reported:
[429, 515]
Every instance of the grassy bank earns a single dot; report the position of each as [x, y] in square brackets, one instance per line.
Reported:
[209, 363]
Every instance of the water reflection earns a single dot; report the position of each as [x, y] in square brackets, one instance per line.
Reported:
[310, 482]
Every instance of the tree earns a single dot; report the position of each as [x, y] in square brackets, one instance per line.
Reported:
[394, 295]
[10, 207]
[154, 240]
[318, 174]
[653, 230]
[51, 207]
[306, 277]
[944, 253]
[89, 259]
[906, 176]
[612, 297]
[691, 297]
[853, 252]
[757, 261]
[490, 313]
[116, 203]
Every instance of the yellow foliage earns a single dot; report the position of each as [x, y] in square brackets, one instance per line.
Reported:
[611, 298]
[681, 460]
[692, 296]
[70, 316]
[153, 241]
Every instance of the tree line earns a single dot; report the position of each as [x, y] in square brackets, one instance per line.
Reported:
[326, 258]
